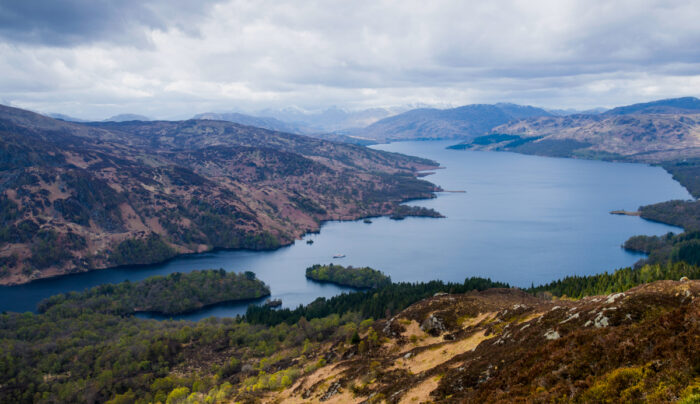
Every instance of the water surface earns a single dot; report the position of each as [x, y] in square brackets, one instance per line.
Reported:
[523, 219]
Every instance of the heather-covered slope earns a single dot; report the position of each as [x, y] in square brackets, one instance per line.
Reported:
[75, 197]
[503, 345]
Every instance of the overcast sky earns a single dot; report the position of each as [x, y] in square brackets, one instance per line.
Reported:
[173, 58]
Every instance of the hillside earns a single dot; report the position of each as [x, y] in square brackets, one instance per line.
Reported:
[75, 197]
[653, 132]
[503, 345]
[173, 294]
[457, 123]
[471, 342]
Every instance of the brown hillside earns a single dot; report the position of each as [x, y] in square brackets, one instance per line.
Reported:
[643, 137]
[507, 346]
[76, 197]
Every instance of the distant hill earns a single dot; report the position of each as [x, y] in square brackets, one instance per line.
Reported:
[127, 117]
[457, 123]
[657, 131]
[257, 121]
[66, 118]
[571, 111]
[685, 105]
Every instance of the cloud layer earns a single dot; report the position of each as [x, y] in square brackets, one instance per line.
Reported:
[170, 59]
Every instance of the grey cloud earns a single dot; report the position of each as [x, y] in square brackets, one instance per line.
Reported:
[167, 58]
[75, 22]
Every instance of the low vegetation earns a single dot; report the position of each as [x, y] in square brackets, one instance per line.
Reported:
[348, 276]
[82, 348]
[85, 347]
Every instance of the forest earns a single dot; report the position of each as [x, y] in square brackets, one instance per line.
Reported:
[173, 294]
[620, 280]
[685, 214]
[365, 277]
[403, 211]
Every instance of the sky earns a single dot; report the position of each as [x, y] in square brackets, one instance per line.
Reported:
[170, 59]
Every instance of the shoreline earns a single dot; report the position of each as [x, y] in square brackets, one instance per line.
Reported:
[291, 242]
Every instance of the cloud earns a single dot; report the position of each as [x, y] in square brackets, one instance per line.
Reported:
[74, 22]
[174, 58]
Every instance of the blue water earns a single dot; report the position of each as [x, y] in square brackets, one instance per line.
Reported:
[523, 219]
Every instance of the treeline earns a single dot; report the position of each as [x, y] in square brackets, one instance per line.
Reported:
[670, 247]
[379, 303]
[685, 214]
[403, 211]
[172, 294]
[618, 281]
[348, 276]
[147, 250]
[687, 172]
[76, 354]
[684, 247]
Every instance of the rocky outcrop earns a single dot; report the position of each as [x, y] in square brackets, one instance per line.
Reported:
[503, 345]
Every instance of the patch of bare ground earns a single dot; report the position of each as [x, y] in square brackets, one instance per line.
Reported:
[438, 354]
[421, 393]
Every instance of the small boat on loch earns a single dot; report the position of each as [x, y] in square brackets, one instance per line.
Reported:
[339, 256]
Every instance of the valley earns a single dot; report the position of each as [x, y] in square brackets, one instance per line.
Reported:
[151, 191]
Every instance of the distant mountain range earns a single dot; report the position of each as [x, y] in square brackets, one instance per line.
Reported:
[115, 118]
[331, 123]
[331, 120]
[127, 117]
[257, 121]
[663, 126]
